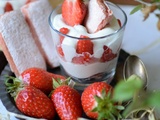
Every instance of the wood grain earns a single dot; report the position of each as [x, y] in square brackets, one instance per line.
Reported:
[54, 3]
[124, 2]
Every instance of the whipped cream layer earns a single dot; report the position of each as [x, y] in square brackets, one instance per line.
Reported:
[69, 48]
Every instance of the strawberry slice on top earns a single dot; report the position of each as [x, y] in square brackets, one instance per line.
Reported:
[73, 11]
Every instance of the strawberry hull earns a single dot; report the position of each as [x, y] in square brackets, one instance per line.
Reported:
[88, 57]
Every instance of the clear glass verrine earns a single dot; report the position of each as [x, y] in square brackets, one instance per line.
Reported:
[100, 64]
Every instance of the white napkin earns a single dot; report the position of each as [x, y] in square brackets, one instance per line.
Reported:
[4, 115]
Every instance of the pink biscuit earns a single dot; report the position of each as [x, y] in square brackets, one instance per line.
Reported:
[98, 16]
[36, 14]
[18, 44]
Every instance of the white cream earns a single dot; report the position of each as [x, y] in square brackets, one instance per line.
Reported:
[83, 71]
[69, 48]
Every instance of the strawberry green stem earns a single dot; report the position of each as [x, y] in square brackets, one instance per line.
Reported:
[12, 85]
[106, 107]
[58, 82]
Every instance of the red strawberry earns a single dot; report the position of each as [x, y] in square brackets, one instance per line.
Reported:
[73, 11]
[57, 76]
[84, 59]
[60, 50]
[107, 55]
[84, 45]
[30, 100]
[67, 102]
[64, 31]
[38, 78]
[8, 7]
[96, 100]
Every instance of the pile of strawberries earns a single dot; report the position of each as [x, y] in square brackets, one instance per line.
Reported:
[41, 94]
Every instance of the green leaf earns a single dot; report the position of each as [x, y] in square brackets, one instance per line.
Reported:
[137, 8]
[153, 99]
[119, 107]
[125, 90]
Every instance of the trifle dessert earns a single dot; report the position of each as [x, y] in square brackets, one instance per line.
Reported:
[88, 37]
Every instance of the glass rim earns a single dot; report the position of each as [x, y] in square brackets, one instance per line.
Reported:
[95, 38]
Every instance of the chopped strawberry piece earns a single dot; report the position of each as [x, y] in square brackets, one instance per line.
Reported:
[107, 54]
[60, 50]
[8, 7]
[119, 22]
[84, 45]
[84, 58]
[64, 31]
[73, 11]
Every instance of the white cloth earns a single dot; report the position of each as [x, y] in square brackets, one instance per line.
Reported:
[4, 113]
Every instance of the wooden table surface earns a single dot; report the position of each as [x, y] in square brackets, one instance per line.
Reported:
[122, 2]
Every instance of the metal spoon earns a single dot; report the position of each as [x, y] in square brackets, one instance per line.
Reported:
[134, 65]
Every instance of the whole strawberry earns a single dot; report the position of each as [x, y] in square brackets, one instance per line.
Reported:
[97, 103]
[57, 77]
[67, 102]
[30, 100]
[39, 78]
[73, 11]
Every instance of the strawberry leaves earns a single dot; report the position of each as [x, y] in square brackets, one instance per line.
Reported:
[13, 84]
[137, 8]
[106, 107]
[132, 85]
[139, 100]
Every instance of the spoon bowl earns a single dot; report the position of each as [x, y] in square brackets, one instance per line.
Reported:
[134, 65]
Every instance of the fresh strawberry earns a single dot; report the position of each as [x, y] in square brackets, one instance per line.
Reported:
[30, 100]
[88, 100]
[97, 101]
[84, 45]
[67, 102]
[38, 78]
[8, 7]
[73, 11]
[107, 54]
[64, 31]
[57, 76]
